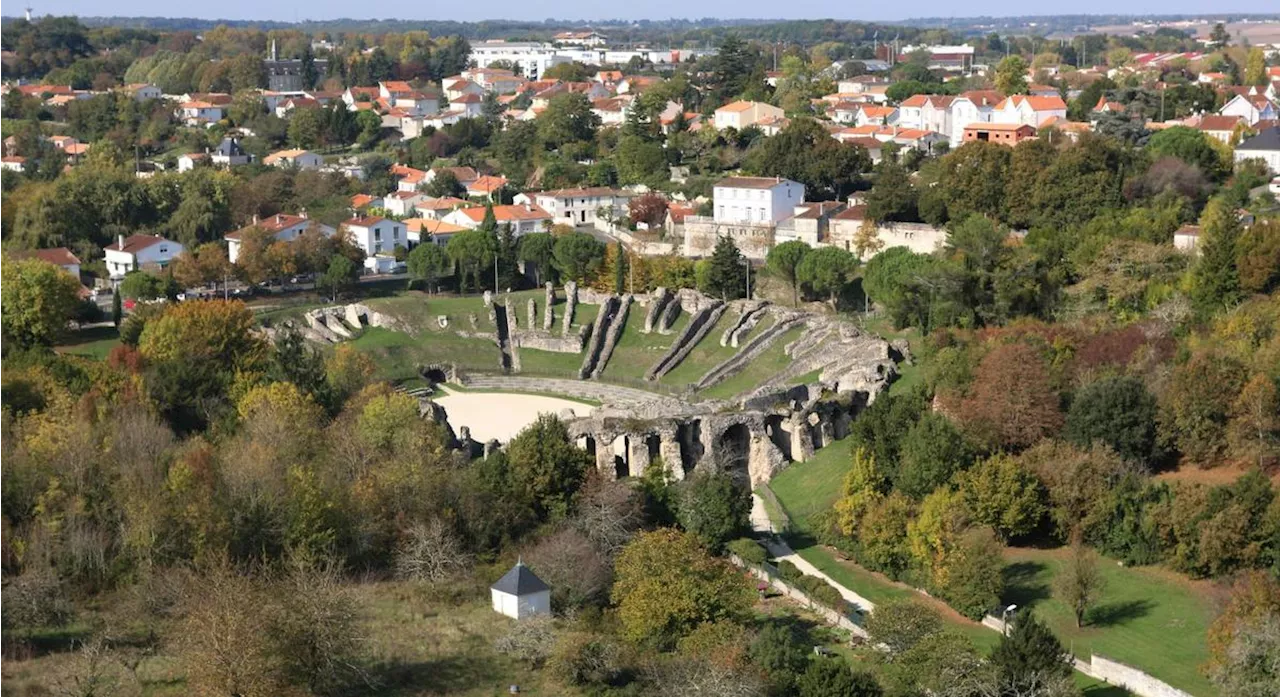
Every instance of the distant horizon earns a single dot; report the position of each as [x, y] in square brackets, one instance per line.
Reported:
[282, 13]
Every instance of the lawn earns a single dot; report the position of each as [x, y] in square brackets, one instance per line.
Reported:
[768, 364]
[636, 351]
[94, 342]
[550, 363]
[1149, 618]
[398, 355]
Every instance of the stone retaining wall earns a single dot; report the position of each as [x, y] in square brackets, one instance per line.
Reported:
[699, 326]
[616, 325]
[832, 617]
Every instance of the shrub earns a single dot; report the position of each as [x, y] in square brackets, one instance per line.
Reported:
[789, 571]
[585, 659]
[748, 550]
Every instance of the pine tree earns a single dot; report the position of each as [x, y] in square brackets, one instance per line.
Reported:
[726, 272]
[1216, 280]
[117, 310]
[1029, 654]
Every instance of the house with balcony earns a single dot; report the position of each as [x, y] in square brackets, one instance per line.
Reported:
[378, 237]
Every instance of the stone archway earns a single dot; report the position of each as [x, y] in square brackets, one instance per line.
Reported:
[733, 450]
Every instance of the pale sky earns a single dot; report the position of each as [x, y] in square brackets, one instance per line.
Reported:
[290, 10]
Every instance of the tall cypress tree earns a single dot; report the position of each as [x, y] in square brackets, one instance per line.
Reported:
[117, 310]
[619, 269]
[1216, 280]
[726, 272]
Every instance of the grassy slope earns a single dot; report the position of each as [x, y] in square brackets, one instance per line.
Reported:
[705, 355]
[765, 366]
[636, 351]
[1150, 618]
[398, 355]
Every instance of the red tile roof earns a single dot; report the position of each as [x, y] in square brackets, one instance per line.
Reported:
[271, 224]
[58, 256]
[135, 243]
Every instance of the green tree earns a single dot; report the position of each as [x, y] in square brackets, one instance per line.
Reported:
[975, 578]
[1191, 146]
[715, 508]
[428, 262]
[666, 585]
[117, 310]
[1000, 492]
[538, 248]
[472, 251]
[1258, 257]
[1117, 411]
[805, 152]
[339, 277]
[1215, 279]
[567, 119]
[781, 654]
[784, 262]
[444, 184]
[547, 467]
[893, 196]
[932, 451]
[1080, 583]
[39, 299]
[577, 255]
[1029, 655]
[306, 128]
[1011, 75]
[726, 275]
[1219, 37]
[828, 271]
[833, 678]
[902, 624]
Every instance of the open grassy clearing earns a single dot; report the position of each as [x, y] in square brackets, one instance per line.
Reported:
[536, 362]
[768, 364]
[1148, 617]
[94, 342]
[420, 641]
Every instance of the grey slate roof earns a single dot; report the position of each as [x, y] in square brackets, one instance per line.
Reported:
[229, 147]
[520, 581]
[1266, 140]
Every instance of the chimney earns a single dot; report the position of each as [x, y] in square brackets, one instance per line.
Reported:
[302, 213]
[277, 218]
[528, 207]
[255, 218]
[120, 242]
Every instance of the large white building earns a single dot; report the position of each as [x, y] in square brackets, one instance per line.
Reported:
[756, 199]
[532, 58]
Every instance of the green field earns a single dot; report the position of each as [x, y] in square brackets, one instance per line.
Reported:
[94, 342]
[768, 364]
[550, 363]
[398, 355]
[1148, 618]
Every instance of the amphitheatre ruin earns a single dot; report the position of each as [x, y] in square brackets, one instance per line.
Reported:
[676, 377]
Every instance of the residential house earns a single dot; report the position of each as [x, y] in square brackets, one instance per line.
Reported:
[1251, 108]
[461, 87]
[756, 199]
[189, 161]
[493, 80]
[523, 218]
[468, 106]
[809, 223]
[740, 115]
[845, 112]
[408, 178]
[485, 186]
[974, 106]
[677, 211]
[928, 112]
[438, 208]
[1030, 110]
[58, 256]
[611, 110]
[360, 98]
[13, 163]
[285, 108]
[635, 84]
[139, 251]
[282, 227]
[1220, 127]
[464, 175]
[1003, 133]
[229, 153]
[582, 206]
[361, 202]
[378, 237]
[401, 203]
[296, 158]
[431, 230]
[198, 112]
[1265, 146]
[870, 115]
[871, 144]
[141, 91]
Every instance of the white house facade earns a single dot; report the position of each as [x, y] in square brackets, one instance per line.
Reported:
[136, 251]
[581, 206]
[756, 199]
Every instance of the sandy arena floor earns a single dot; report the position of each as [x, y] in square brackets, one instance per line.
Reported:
[501, 415]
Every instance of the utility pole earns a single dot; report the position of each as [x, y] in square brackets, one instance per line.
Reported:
[748, 264]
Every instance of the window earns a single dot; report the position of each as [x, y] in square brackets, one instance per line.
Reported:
[377, 235]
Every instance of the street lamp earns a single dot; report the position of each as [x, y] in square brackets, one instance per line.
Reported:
[747, 262]
[1004, 621]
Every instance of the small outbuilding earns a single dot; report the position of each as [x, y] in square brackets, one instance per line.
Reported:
[521, 594]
